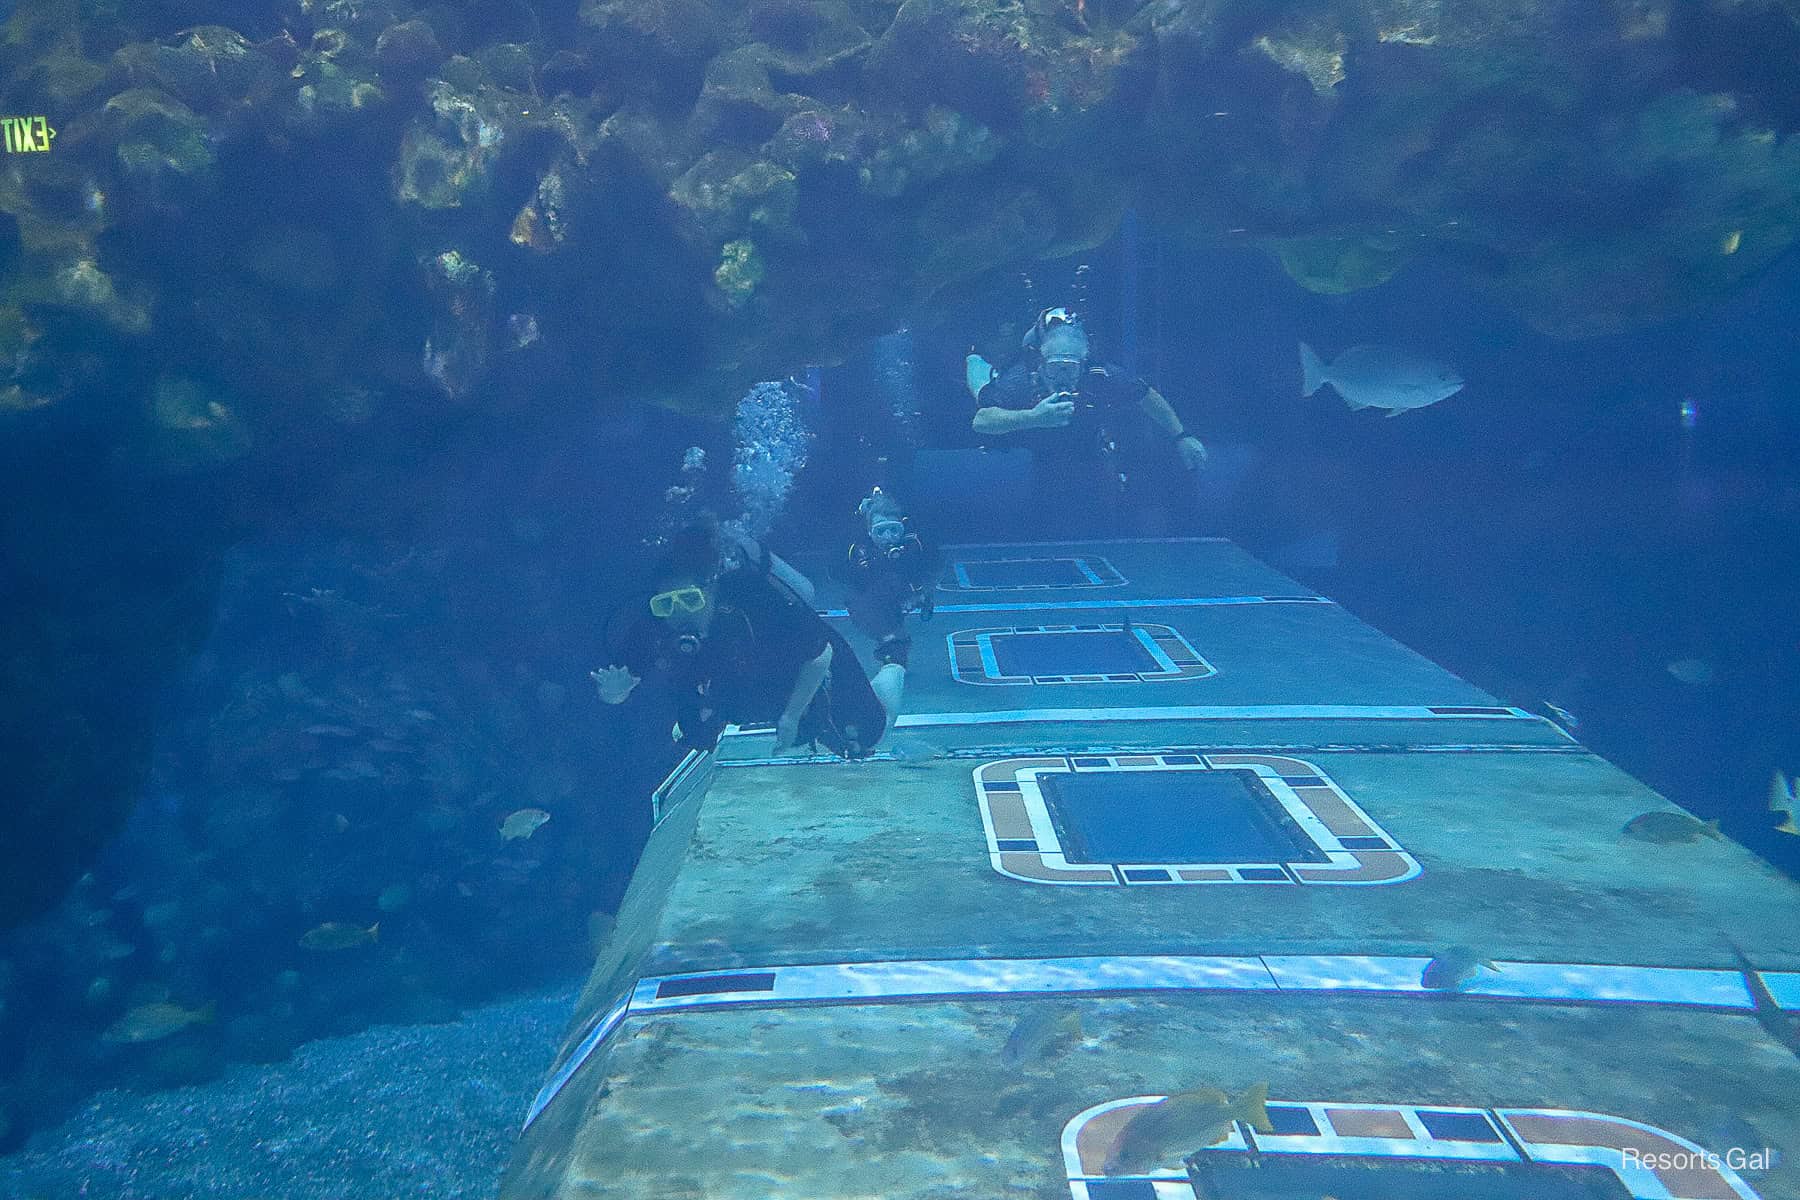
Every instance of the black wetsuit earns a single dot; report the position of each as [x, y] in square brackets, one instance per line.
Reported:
[885, 584]
[1087, 474]
[744, 670]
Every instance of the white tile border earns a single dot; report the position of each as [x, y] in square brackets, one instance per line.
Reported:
[1195, 712]
[849, 982]
[1512, 1147]
[1107, 605]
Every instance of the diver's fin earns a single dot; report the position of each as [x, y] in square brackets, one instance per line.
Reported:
[978, 372]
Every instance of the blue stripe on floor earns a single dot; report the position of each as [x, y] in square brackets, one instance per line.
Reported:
[1784, 986]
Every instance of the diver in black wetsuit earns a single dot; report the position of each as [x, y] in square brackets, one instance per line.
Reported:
[741, 645]
[889, 573]
[1074, 414]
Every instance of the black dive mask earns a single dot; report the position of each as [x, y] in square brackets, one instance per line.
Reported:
[1061, 374]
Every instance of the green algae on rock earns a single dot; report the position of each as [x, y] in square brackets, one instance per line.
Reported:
[739, 272]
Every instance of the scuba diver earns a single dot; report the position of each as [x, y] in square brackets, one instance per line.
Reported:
[1070, 411]
[740, 644]
[889, 573]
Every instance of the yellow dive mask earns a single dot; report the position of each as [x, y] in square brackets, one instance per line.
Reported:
[687, 599]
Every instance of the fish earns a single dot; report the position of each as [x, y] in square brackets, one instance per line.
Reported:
[340, 935]
[394, 897]
[1764, 1007]
[1667, 828]
[1730, 242]
[154, 1022]
[1037, 1032]
[1781, 800]
[1380, 377]
[522, 823]
[1453, 969]
[1562, 716]
[1178, 1125]
[1695, 671]
[907, 751]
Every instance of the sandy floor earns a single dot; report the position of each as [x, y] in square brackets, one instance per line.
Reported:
[426, 1111]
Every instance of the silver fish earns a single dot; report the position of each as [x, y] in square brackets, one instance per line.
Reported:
[909, 751]
[1038, 1033]
[1694, 671]
[1563, 716]
[1454, 969]
[1380, 377]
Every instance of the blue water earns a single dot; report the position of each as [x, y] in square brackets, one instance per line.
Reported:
[1554, 533]
[320, 693]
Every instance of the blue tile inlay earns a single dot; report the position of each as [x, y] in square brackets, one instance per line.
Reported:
[1366, 843]
[1292, 1121]
[1300, 780]
[1000, 787]
[1121, 1189]
[707, 985]
[1146, 876]
[1181, 760]
[1015, 844]
[1263, 874]
[1093, 762]
[1458, 1126]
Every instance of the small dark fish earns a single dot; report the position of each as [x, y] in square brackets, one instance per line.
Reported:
[339, 935]
[1452, 970]
[1665, 828]
[1037, 1032]
[154, 1022]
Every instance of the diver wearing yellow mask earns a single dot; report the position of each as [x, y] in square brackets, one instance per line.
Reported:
[741, 645]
